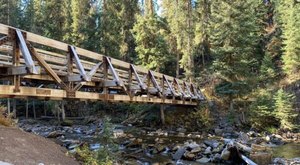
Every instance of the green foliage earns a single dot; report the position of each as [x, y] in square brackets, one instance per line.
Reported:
[262, 110]
[151, 47]
[106, 154]
[290, 20]
[233, 37]
[284, 111]
[202, 116]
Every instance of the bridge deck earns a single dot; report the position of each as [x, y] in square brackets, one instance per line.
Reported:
[33, 66]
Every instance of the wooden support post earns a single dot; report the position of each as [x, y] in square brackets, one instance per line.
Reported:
[162, 114]
[16, 58]
[105, 73]
[44, 107]
[8, 106]
[63, 110]
[33, 107]
[14, 108]
[27, 109]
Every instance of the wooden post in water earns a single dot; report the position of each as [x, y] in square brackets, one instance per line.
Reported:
[8, 106]
[45, 112]
[15, 108]
[63, 110]
[27, 109]
[162, 114]
[33, 107]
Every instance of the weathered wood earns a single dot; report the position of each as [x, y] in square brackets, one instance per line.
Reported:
[58, 94]
[78, 63]
[25, 52]
[75, 70]
[3, 40]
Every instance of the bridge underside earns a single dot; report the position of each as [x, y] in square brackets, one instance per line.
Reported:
[32, 66]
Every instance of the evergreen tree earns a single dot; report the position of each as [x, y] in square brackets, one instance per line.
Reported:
[234, 37]
[284, 109]
[290, 20]
[116, 20]
[10, 12]
[149, 32]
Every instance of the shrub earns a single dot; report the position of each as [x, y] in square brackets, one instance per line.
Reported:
[5, 120]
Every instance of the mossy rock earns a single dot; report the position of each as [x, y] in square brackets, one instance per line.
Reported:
[67, 123]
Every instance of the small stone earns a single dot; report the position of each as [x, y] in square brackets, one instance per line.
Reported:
[203, 160]
[207, 150]
[268, 138]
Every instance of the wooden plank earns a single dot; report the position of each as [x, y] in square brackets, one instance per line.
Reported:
[47, 68]
[25, 92]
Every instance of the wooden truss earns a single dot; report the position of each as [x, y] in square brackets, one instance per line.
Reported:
[69, 72]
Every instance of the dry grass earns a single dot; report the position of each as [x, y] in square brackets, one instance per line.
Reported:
[5, 120]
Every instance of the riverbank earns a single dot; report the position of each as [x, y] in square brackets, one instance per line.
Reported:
[145, 145]
[18, 148]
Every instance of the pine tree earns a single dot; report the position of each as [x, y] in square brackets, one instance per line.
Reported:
[10, 12]
[290, 19]
[234, 38]
[284, 109]
[116, 20]
[151, 47]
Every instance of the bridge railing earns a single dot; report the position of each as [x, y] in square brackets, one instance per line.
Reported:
[28, 56]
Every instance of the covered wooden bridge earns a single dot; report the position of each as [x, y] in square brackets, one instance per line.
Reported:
[33, 66]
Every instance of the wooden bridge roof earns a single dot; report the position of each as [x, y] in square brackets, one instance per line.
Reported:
[33, 66]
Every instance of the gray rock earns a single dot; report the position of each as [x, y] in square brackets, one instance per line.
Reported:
[207, 150]
[196, 150]
[225, 154]
[181, 130]
[219, 131]
[212, 143]
[203, 160]
[179, 153]
[54, 134]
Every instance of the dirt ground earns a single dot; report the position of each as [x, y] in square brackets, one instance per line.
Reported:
[21, 148]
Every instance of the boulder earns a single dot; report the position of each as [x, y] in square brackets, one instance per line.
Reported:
[178, 154]
[211, 143]
[260, 148]
[189, 156]
[261, 158]
[225, 154]
[219, 131]
[196, 150]
[203, 160]
[54, 134]
[207, 151]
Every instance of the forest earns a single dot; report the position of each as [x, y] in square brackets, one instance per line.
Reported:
[245, 55]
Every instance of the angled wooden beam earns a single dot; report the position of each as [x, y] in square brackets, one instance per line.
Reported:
[47, 68]
[188, 89]
[138, 79]
[115, 75]
[94, 70]
[154, 82]
[179, 87]
[25, 52]
[169, 86]
[78, 63]
[3, 40]
[196, 92]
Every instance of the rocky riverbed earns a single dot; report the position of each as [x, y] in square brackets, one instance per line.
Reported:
[150, 145]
